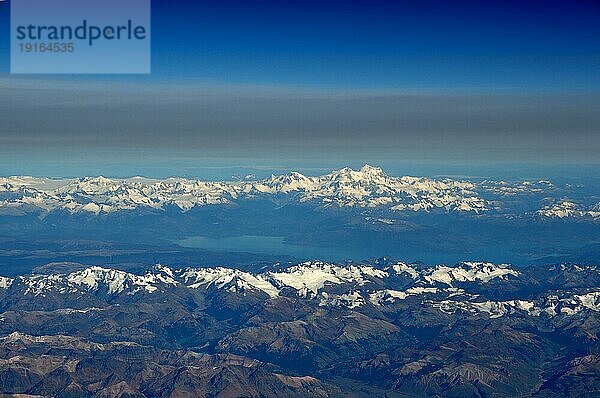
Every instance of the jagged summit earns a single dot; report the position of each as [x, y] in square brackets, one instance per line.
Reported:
[366, 172]
[368, 169]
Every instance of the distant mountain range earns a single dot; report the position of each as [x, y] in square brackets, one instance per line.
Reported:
[368, 188]
[313, 329]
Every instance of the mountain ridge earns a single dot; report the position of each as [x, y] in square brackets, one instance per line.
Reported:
[366, 188]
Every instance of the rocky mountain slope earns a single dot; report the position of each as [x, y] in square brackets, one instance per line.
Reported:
[312, 329]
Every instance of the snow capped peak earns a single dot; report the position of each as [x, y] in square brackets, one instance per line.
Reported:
[371, 187]
[164, 269]
[286, 183]
[595, 211]
[92, 185]
[227, 278]
[347, 300]
[100, 180]
[310, 277]
[296, 176]
[365, 174]
[344, 171]
[5, 282]
[402, 268]
[566, 208]
[92, 277]
[493, 309]
[563, 209]
[387, 296]
[469, 272]
[116, 281]
[368, 169]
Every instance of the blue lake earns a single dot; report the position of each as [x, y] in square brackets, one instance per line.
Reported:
[273, 245]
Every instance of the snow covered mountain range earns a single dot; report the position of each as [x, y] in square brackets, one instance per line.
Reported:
[311, 329]
[368, 187]
[448, 289]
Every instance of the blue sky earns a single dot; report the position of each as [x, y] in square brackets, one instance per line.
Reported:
[532, 45]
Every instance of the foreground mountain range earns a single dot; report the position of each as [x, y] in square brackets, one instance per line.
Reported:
[312, 329]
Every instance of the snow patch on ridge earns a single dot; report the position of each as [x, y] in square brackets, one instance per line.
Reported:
[117, 281]
[568, 209]
[469, 272]
[311, 277]
[5, 282]
[227, 278]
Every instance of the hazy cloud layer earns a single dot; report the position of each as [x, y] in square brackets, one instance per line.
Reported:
[261, 121]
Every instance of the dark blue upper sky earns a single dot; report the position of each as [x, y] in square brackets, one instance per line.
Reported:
[377, 44]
